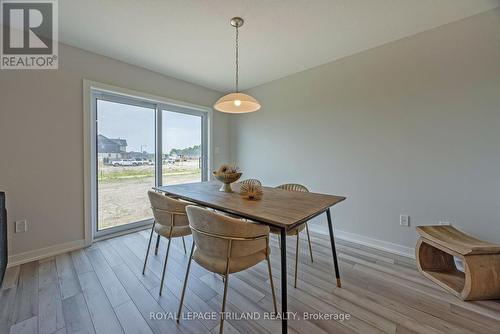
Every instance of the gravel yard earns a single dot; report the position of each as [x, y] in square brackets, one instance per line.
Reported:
[122, 191]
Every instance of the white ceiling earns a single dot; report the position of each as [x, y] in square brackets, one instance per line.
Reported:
[193, 41]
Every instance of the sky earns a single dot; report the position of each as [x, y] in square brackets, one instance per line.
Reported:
[137, 126]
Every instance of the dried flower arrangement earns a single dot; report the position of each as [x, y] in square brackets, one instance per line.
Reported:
[251, 191]
[228, 169]
[227, 174]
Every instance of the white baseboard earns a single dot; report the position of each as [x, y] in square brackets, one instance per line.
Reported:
[386, 246]
[382, 245]
[37, 254]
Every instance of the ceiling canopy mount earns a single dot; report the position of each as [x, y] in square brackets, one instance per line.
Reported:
[237, 22]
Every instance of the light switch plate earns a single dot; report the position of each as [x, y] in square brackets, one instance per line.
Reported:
[21, 226]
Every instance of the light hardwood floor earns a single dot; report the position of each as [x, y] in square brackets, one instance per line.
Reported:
[101, 289]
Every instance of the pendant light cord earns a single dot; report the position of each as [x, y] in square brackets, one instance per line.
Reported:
[237, 61]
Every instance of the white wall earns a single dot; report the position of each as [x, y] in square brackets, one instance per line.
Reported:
[411, 127]
[41, 141]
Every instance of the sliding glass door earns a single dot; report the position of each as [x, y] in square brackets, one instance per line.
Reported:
[182, 147]
[140, 145]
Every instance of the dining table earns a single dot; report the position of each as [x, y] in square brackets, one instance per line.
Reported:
[282, 209]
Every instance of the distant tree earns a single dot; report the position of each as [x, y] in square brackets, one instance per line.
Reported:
[194, 151]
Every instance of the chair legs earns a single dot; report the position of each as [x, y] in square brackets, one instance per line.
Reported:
[272, 284]
[149, 246]
[296, 260]
[297, 254]
[165, 265]
[309, 241]
[185, 283]
[226, 281]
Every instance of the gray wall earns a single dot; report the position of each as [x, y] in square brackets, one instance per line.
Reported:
[411, 127]
[41, 123]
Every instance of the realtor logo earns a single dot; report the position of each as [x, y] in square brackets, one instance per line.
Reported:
[29, 34]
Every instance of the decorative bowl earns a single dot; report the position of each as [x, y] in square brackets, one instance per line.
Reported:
[227, 179]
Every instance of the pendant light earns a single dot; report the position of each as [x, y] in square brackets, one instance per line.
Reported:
[237, 102]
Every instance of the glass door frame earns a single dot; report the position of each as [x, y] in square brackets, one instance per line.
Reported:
[96, 94]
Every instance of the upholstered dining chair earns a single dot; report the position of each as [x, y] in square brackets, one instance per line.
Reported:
[250, 181]
[226, 245]
[295, 231]
[170, 221]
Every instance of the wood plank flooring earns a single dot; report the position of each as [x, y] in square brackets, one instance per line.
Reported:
[101, 289]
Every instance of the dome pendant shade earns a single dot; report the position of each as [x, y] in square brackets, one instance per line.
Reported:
[237, 103]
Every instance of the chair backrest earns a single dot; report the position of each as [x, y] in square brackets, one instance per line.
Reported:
[251, 181]
[293, 187]
[168, 211]
[221, 236]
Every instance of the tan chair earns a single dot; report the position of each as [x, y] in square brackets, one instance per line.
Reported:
[226, 245]
[296, 231]
[251, 181]
[170, 221]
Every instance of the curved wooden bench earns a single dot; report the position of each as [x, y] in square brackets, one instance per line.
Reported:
[435, 251]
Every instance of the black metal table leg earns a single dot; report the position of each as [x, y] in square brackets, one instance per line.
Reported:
[334, 251]
[284, 306]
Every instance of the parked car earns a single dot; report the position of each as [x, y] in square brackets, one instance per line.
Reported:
[125, 162]
[144, 161]
[140, 161]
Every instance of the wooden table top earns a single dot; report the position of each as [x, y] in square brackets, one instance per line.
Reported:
[280, 208]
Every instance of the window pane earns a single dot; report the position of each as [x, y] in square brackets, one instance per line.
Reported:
[125, 163]
[182, 149]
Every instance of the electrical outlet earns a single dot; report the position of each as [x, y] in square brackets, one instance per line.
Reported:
[404, 220]
[21, 226]
[444, 223]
